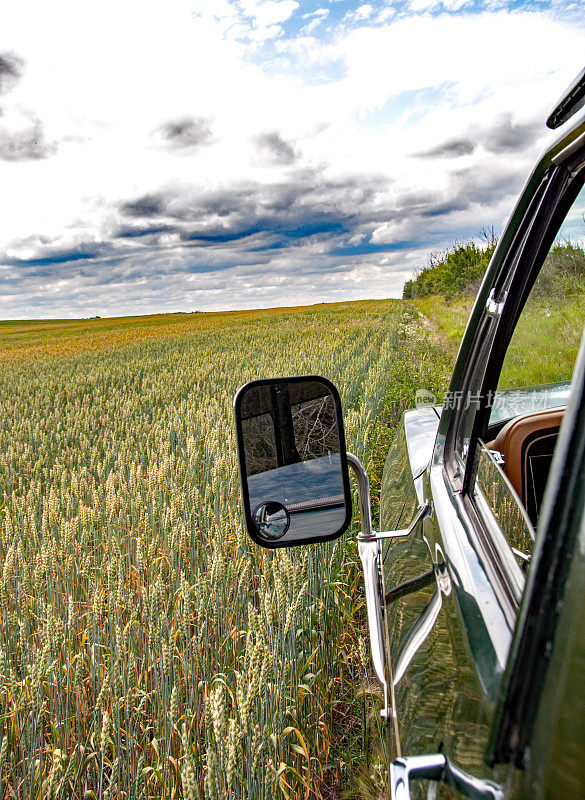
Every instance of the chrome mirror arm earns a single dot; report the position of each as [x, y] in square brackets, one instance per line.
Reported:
[370, 552]
[368, 534]
[422, 512]
[438, 768]
[371, 558]
[364, 496]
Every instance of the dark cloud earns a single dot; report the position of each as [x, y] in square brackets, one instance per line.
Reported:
[274, 149]
[22, 137]
[506, 137]
[281, 234]
[149, 205]
[10, 71]
[232, 241]
[186, 231]
[444, 209]
[369, 248]
[338, 215]
[221, 236]
[50, 257]
[186, 133]
[259, 217]
[453, 148]
[58, 258]
[26, 142]
[473, 186]
[126, 232]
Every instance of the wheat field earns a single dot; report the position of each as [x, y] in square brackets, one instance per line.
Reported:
[147, 648]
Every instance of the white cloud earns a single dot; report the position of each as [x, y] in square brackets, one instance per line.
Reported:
[382, 62]
[423, 5]
[311, 26]
[269, 12]
[315, 19]
[322, 13]
[361, 13]
[455, 5]
[399, 102]
[385, 14]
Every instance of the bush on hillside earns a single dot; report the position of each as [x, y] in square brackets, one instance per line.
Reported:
[454, 273]
[459, 271]
[563, 272]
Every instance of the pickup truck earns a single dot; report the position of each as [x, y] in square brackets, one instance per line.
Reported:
[475, 586]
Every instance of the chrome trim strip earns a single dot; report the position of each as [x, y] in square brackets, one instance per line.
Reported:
[513, 572]
[569, 150]
[417, 635]
[513, 492]
[475, 593]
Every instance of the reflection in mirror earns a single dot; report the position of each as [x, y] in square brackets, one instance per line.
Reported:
[271, 519]
[290, 433]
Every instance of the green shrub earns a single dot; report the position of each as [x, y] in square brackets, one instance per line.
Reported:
[456, 272]
[563, 272]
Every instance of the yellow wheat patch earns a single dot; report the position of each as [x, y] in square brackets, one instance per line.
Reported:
[147, 649]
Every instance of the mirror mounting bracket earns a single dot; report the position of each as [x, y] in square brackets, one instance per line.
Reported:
[423, 511]
[371, 557]
[370, 551]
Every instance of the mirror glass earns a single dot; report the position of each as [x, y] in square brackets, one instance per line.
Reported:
[292, 461]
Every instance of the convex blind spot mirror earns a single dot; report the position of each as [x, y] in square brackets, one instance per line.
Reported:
[293, 463]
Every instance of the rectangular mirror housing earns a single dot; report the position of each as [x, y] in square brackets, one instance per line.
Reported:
[293, 463]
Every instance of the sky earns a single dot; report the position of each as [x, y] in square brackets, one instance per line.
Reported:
[221, 154]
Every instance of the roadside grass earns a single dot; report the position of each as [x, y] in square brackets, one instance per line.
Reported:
[448, 318]
[545, 342]
[147, 648]
[422, 361]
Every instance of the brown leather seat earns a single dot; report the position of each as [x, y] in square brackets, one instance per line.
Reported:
[527, 443]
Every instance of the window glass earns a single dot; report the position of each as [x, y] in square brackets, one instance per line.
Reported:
[546, 339]
[504, 502]
[534, 387]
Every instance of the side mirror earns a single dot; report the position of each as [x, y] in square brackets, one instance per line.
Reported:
[293, 463]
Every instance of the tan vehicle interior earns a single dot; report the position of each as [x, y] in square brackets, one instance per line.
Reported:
[526, 444]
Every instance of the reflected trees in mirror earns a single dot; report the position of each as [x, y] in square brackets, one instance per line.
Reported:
[291, 435]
